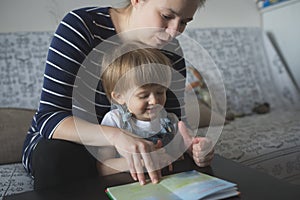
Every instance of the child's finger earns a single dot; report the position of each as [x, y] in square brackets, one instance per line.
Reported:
[185, 134]
[158, 144]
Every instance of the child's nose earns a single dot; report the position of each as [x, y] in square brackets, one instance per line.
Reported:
[153, 99]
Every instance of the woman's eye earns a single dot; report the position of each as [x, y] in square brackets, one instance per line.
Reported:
[183, 23]
[167, 17]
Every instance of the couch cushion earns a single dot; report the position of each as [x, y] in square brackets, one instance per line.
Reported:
[269, 143]
[14, 124]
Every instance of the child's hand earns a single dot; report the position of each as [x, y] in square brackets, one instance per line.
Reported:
[200, 148]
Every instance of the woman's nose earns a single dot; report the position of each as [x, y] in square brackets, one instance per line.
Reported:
[173, 29]
[172, 32]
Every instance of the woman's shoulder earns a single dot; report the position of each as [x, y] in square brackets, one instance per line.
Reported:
[92, 9]
[92, 13]
[92, 22]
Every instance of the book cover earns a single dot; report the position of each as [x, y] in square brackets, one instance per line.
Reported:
[190, 185]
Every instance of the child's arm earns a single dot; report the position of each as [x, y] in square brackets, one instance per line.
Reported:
[201, 151]
[199, 148]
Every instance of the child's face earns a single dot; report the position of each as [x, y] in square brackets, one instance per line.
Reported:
[146, 102]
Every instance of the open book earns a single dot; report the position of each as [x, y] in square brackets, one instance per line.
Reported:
[190, 185]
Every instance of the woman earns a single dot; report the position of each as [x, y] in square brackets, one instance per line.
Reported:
[53, 152]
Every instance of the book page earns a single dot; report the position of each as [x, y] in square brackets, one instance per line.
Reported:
[135, 191]
[190, 185]
[195, 185]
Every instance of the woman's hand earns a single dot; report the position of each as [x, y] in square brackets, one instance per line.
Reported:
[164, 158]
[200, 148]
[139, 153]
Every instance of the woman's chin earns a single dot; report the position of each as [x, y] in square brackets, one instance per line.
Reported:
[156, 43]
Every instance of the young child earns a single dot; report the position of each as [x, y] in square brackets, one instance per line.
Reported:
[135, 80]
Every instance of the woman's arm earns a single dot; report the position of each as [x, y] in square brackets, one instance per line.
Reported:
[133, 149]
[117, 165]
[80, 131]
[107, 167]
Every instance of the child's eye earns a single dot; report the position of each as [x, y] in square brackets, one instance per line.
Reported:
[143, 96]
[160, 92]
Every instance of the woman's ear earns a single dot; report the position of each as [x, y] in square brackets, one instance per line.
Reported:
[136, 2]
[118, 97]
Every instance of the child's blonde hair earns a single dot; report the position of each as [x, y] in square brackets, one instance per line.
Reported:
[132, 65]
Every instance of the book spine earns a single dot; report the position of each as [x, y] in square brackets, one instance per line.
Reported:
[109, 195]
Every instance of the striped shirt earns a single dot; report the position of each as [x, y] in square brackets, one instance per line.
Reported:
[72, 85]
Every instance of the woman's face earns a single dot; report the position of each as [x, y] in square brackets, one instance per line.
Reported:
[159, 21]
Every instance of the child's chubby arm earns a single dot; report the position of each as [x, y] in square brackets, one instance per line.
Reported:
[199, 148]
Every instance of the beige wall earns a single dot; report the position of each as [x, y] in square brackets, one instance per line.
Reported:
[44, 15]
[228, 13]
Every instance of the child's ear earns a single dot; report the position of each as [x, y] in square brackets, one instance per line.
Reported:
[118, 97]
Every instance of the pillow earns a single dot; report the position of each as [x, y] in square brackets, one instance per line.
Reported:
[14, 124]
[240, 58]
[196, 85]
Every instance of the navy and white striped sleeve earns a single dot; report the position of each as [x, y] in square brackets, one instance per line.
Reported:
[175, 95]
[71, 43]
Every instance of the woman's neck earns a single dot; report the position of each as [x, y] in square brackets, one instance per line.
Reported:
[121, 18]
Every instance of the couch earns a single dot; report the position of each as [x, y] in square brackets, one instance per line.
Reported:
[253, 75]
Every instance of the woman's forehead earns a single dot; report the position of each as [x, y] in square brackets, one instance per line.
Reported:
[184, 8]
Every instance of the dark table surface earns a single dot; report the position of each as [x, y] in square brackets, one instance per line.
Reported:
[252, 184]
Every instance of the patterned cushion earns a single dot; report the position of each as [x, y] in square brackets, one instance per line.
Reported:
[269, 143]
[14, 179]
[22, 64]
[252, 73]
